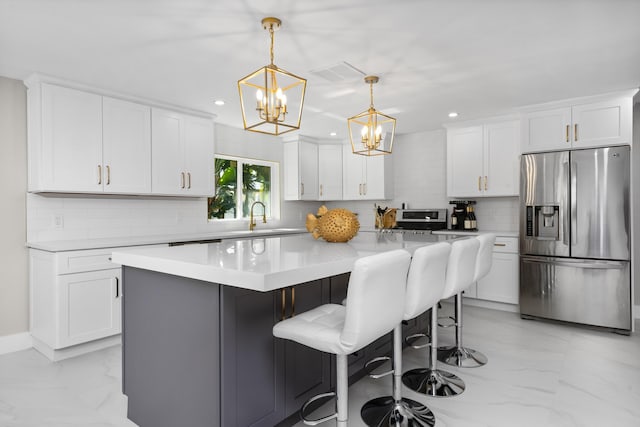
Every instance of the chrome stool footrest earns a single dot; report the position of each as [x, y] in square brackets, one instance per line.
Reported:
[385, 411]
[452, 319]
[377, 361]
[433, 382]
[305, 406]
[462, 357]
[411, 339]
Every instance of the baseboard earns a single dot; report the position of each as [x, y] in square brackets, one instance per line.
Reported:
[15, 342]
[76, 350]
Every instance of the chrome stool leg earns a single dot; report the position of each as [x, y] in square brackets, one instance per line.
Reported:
[396, 410]
[432, 381]
[458, 355]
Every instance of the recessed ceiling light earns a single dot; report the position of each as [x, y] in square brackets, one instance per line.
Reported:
[453, 114]
[219, 102]
[333, 134]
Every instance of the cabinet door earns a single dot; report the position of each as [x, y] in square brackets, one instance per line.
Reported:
[464, 162]
[126, 146]
[502, 281]
[352, 174]
[252, 371]
[330, 172]
[307, 371]
[71, 158]
[89, 306]
[547, 130]
[167, 155]
[199, 152]
[501, 159]
[308, 161]
[602, 123]
[378, 178]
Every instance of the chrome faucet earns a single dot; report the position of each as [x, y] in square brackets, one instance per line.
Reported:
[252, 222]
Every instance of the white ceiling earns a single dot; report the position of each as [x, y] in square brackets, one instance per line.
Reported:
[479, 58]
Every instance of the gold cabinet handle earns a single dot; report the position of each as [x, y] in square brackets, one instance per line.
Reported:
[567, 135]
[499, 244]
[99, 174]
[181, 179]
[486, 185]
[575, 132]
[188, 179]
[479, 183]
[293, 301]
[108, 174]
[321, 189]
[283, 301]
[364, 189]
[360, 189]
[302, 188]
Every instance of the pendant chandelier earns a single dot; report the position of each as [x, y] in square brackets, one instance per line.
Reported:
[371, 132]
[271, 98]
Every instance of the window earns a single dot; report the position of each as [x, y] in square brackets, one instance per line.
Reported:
[240, 183]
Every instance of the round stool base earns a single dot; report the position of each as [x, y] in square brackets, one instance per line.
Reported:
[433, 382]
[385, 411]
[461, 357]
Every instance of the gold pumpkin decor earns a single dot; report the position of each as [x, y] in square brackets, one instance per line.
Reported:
[335, 225]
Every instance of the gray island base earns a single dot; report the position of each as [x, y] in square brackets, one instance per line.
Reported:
[200, 353]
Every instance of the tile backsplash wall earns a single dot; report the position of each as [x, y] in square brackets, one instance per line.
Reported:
[58, 217]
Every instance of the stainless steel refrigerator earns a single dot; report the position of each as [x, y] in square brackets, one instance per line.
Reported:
[575, 237]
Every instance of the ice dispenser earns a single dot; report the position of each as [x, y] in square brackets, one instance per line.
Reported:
[543, 222]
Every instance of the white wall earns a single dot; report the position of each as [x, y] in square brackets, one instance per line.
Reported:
[119, 216]
[419, 169]
[14, 287]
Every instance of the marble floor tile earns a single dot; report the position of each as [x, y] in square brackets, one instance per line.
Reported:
[539, 374]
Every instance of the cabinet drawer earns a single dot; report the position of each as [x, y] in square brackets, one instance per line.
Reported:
[506, 244]
[88, 260]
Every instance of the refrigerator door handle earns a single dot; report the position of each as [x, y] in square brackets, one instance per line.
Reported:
[574, 203]
[599, 265]
[565, 213]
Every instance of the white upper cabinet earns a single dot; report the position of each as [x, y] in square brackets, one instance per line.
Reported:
[483, 161]
[582, 125]
[366, 178]
[82, 141]
[126, 146]
[65, 140]
[300, 170]
[330, 171]
[182, 155]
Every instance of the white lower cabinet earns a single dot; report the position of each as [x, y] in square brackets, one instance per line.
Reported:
[501, 284]
[76, 301]
[89, 306]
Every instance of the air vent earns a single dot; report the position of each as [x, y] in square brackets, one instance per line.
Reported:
[341, 72]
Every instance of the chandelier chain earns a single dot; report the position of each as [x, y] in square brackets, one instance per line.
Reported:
[271, 47]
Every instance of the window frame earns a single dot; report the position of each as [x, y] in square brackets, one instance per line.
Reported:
[274, 212]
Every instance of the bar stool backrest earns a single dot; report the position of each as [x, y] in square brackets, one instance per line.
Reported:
[461, 266]
[485, 255]
[426, 280]
[375, 298]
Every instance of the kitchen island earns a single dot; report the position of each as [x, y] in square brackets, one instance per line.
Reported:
[197, 343]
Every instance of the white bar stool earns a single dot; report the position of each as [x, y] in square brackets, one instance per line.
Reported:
[460, 270]
[375, 304]
[425, 284]
[458, 355]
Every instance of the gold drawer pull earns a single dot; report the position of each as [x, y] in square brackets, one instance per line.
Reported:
[499, 244]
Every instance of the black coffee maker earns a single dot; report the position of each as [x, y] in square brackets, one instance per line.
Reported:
[463, 211]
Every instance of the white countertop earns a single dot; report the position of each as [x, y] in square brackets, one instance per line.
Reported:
[267, 263]
[115, 242]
